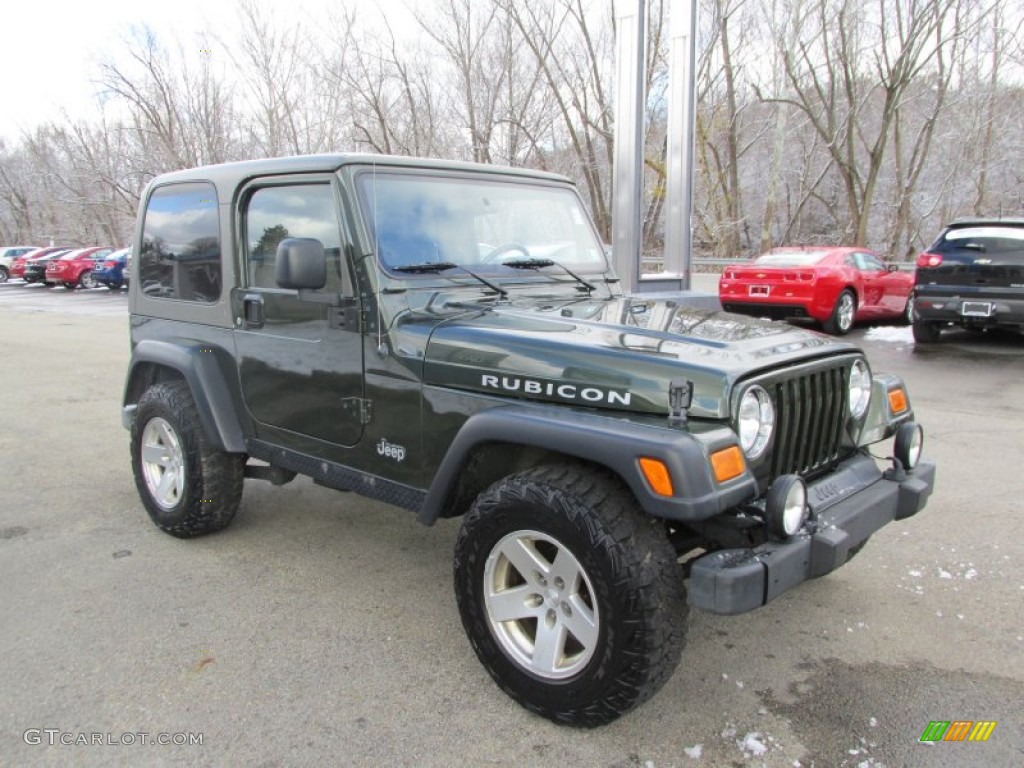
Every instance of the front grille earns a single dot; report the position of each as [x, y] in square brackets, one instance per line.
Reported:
[810, 414]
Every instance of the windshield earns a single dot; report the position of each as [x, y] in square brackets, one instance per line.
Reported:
[476, 223]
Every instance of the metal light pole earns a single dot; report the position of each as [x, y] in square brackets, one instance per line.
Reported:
[682, 110]
[628, 168]
[630, 98]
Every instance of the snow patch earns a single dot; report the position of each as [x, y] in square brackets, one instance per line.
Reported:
[694, 752]
[893, 334]
[752, 745]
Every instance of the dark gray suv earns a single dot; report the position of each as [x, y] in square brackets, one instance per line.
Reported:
[971, 276]
[450, 338]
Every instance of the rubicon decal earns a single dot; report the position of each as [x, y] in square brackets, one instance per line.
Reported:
[573, 393]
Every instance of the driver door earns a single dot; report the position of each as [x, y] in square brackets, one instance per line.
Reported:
[301, 369]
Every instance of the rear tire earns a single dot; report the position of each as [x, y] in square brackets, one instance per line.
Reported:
[572, 598]
[188, 488]
[926, 333]
[840, 321]
[86, 280]
[4, 274]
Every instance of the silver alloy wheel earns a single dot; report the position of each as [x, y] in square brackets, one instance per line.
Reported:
[541, 605]
[163, 463]
[908, 313]
[844, 315]
[87, 280]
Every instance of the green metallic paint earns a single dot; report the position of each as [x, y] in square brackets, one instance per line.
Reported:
[624, 349]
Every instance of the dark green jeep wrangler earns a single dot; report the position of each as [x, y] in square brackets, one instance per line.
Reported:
[449, 338]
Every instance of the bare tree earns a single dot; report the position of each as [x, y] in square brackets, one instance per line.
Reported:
[849, 72]
[574, 60]
[181, 113]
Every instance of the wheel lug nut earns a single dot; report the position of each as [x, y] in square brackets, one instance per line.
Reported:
[559, 583]
[566, 609]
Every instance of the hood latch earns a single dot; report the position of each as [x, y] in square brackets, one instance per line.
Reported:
[680, 396]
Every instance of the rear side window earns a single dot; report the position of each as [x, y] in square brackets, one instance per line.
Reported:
[180, 256]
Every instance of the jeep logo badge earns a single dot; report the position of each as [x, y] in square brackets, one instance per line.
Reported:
[392, 451]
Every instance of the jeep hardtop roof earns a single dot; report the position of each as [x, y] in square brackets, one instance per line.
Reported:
[227, 175]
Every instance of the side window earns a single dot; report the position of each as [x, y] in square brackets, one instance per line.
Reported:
[868, 263]
[180, 256]
[293, 210]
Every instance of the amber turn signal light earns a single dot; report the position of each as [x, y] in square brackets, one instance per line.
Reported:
[657, 475]
[897, 400]
[727, 463]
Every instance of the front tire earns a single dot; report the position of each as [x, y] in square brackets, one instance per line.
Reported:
[840, 321]
[188, 488]
[4, 274]
[572, 599]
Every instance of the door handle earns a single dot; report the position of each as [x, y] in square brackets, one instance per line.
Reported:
[252, 310]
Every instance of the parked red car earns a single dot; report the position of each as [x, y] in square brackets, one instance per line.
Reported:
[834, 286]
[18, 266]
[75, 268]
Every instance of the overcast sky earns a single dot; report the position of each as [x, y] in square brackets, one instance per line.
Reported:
[52, 47]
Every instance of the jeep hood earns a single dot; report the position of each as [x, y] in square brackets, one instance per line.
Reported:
[618, 353]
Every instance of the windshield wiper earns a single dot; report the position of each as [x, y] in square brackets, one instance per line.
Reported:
[533, 263]
[428, 267]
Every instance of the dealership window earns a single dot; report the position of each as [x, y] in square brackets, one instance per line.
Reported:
[180, 255]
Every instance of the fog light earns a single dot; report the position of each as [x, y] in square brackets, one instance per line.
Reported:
[909, 442]
[786, 510]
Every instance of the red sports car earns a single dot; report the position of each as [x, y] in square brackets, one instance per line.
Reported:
[835, 286]
[75, 268]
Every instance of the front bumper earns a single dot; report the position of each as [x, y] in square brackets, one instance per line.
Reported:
[847, 507]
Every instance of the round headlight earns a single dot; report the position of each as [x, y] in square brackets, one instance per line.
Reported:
[756, 421]
[860, 388]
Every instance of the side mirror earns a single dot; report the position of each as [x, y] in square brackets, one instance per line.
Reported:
[300, 264]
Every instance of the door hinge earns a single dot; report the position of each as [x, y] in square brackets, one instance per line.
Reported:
[360, 408]
[348, 315]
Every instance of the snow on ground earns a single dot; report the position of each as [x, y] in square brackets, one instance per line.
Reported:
[752, 745]
[897, 334]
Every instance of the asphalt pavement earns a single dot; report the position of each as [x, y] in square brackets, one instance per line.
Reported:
[321, 628]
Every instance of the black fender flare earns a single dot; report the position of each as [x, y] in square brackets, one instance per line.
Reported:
[199, 365]
[610, 442]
